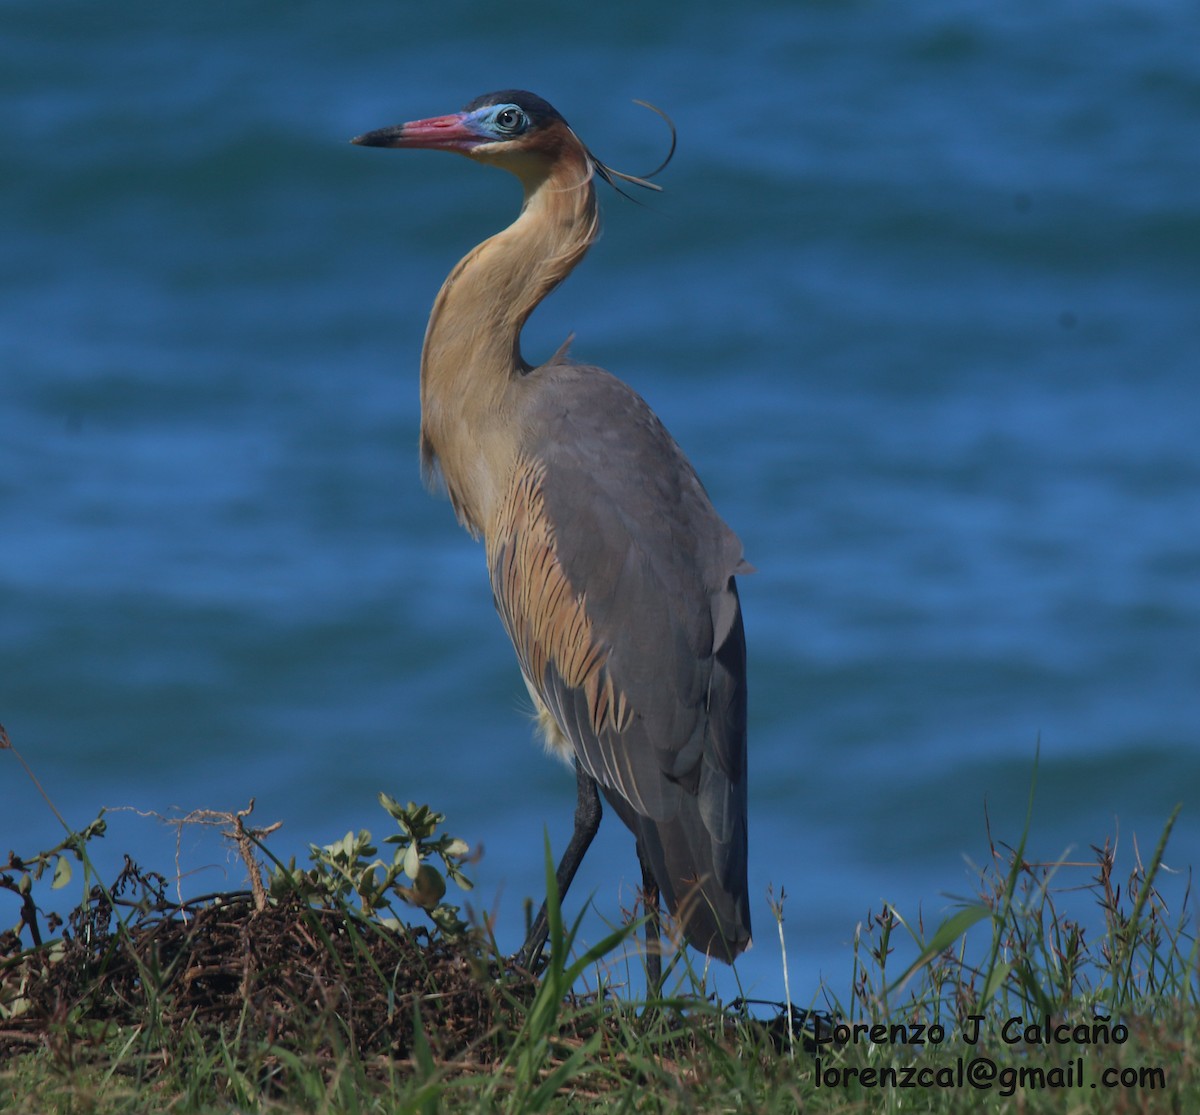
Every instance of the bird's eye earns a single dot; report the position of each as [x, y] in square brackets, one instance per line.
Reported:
[511, 120]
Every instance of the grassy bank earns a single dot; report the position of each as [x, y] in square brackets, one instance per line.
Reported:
[351, 985]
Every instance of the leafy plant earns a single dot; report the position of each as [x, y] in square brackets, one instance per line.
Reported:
[351, 872]
[20, 873]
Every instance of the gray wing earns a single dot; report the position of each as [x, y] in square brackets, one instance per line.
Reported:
[614, 577]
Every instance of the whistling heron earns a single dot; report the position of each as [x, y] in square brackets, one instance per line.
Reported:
[611, 571]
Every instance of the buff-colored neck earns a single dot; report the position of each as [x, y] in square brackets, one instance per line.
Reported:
[472, 355]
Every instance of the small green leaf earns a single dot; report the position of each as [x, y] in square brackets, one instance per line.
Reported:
[62, 873]
[429, 886]
[953, 928]
[995, 978]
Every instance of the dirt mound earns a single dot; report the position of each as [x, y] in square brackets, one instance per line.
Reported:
[289, 973]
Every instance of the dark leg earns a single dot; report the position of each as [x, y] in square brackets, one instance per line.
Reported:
[653, 938]
[587, 821]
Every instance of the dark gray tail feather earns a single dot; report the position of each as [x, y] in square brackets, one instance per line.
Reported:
[702, 882]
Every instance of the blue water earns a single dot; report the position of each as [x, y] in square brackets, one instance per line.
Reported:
[921, 300]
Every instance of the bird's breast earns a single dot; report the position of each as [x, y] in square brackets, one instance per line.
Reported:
[544, 613]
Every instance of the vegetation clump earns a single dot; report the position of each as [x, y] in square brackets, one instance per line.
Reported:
[310, 991]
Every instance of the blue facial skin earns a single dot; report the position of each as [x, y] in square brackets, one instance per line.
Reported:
[495, 123]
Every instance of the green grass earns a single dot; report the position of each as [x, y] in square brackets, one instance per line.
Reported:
[1122, 978]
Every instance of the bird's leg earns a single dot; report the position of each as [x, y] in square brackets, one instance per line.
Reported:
[587, 820]
[653, 936]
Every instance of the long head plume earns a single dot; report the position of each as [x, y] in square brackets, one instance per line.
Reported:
[611, 176]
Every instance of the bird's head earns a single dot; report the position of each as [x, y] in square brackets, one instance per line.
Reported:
[512, 129]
